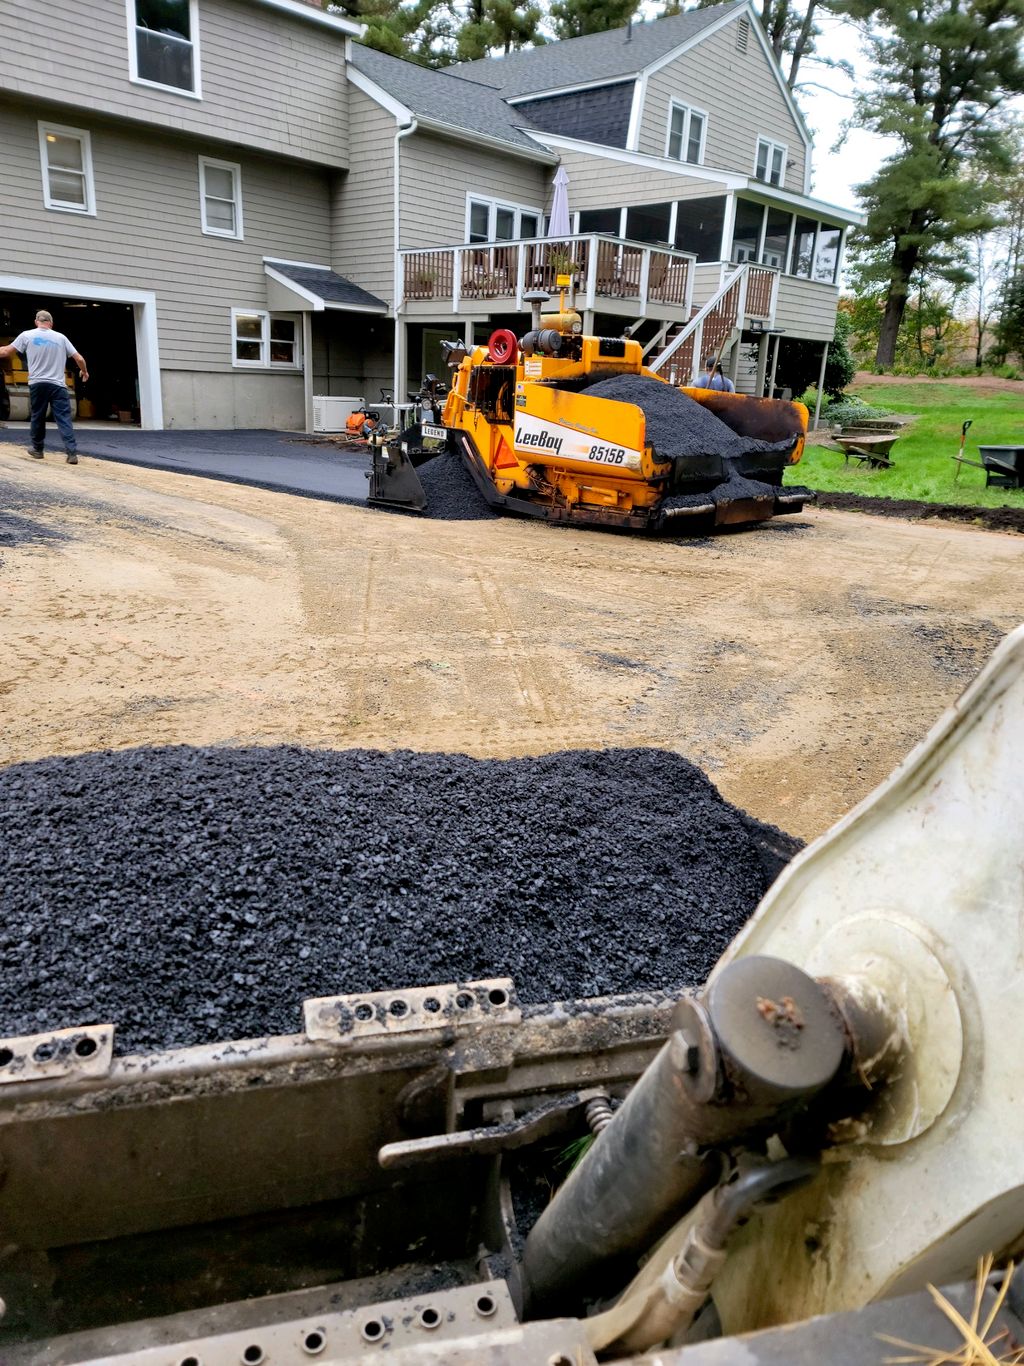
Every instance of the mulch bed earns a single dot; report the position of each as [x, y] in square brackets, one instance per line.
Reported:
[992, 519]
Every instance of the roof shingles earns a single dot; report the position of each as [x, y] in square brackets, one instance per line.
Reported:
[595, 57]
[327, 285]
[468, 105]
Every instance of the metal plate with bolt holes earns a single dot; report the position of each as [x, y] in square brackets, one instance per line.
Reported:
[351, 1336]
[345, 1018]
[85, 1051]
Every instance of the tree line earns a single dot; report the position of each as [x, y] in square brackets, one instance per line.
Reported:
[943, 212]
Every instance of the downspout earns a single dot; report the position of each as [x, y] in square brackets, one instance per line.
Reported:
[403, 131]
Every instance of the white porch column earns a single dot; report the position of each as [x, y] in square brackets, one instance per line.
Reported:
[307, 366]
[775, 361]
[401, 365]
[762, 364]
[821, 385]
[734, 359]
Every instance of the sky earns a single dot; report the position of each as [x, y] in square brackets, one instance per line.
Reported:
[825, 98]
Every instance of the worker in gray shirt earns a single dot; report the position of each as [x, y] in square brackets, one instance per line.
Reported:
[47, 352]
[712, 378]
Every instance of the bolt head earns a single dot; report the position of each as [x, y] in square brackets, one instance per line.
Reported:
[686, 1051]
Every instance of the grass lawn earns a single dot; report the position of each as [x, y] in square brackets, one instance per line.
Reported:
[922, 467]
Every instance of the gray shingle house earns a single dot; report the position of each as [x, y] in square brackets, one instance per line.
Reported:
[233, 207]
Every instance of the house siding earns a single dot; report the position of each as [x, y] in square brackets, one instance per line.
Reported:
[599, 183]
[437, 175]
[600, 115]
[806, 308]
[147, 235]
[362, 216]
[741, 97]
[269, 82]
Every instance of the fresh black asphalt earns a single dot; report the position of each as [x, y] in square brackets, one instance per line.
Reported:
[287, 461]
[196, 895]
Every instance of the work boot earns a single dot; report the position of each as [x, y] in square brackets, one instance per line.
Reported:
[72, 458]
[36, 455]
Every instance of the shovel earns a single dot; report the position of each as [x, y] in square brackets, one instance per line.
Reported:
[959, 458]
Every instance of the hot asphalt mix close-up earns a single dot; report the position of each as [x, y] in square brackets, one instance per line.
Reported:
[193, 895]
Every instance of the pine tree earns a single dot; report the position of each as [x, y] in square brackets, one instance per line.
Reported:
[1010, 332]
[423, 31]
[942, 67]
[789, 27]
[498, 26]
[574, 18]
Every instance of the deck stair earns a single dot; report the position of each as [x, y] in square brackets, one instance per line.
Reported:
[748, 293]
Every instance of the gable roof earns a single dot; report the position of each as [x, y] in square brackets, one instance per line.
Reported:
[595, 57]
[450, 106]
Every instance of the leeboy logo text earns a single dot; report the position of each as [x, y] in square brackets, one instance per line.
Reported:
[544, 439]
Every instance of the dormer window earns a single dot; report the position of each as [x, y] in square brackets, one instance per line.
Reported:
[771, 161]
[163, 44]
[687, 129]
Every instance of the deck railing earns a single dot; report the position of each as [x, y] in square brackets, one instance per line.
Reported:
[602, 267]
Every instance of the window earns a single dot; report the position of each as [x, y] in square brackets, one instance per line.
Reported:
[826, 257]
[803, 248]
[220, 197]
[686, 131]
[265, 340]
[163, 44]
[771, 161]
[649, 223]
[607, 221]
[65, 158]
[488, 220]
[746, 237]
[699, 227]
[776, 238]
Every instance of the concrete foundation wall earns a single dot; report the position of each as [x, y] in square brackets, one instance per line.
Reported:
[197, 400]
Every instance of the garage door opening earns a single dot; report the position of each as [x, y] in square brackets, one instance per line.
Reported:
[103, 332]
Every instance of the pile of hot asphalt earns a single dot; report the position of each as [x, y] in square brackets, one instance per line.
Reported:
[677, 425]
[197, 895]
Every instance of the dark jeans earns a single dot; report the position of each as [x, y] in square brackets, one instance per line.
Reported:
[43, 395]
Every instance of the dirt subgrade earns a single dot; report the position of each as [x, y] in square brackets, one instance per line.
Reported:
[796, 663]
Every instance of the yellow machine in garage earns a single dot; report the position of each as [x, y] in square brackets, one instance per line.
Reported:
[542, 432]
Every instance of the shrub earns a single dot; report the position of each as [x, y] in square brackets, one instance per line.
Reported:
[851, 410]
[800, 362]
[1008, 372]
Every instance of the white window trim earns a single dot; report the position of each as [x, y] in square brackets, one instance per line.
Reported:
[57, 205]
[687, 109]
[493, 205]
[133, 55]
[236, 181]
[265, 363]
[773, 147]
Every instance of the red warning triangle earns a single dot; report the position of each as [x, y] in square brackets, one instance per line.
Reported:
[504, 459]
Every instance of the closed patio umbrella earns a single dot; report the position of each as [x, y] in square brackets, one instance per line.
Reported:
[558, 223]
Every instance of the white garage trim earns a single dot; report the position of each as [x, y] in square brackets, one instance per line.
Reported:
[147, 345]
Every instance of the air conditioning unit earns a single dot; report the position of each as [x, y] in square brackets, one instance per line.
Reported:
[330, 411]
